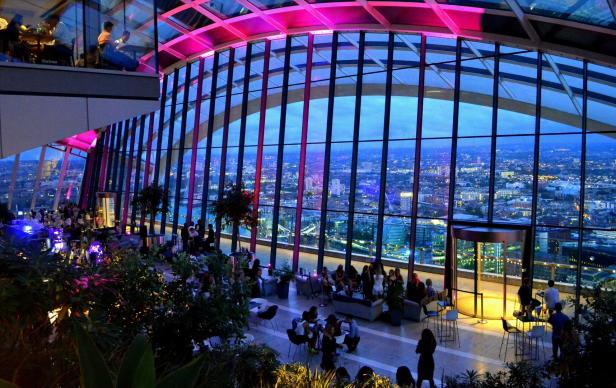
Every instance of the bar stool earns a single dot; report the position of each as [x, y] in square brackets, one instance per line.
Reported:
[450, 324]
[508, 329]
[433, 316]
[534, 335]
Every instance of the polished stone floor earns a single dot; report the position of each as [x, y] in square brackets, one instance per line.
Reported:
[384, 347]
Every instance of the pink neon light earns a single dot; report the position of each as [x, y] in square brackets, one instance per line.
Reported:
[279, 36]
[322, 32]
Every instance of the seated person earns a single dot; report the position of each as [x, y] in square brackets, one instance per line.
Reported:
[305, 333]
[527, 301]
[353, 279]
[258, 285]
[430, 291]
[352, 338]
[109, 52]
[339, 278]
[411, 291]
[10, 36]
[326, 282]
[313, 314]
[332, 320]
[62, 49]
[414, 279]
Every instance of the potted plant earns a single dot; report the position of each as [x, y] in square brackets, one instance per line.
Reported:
[235, 208]
[5, 214]
[395, 303]
[285, 275]
[151, 201]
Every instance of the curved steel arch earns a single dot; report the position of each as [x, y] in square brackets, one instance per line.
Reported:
[510, 26]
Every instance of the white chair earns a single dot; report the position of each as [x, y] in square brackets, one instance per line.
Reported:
[450, 323]
[534, 335]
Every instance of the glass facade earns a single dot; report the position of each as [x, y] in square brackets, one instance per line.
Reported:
[37, 178]
[362, 145]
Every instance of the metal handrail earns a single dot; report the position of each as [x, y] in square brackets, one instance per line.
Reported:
[482, 320]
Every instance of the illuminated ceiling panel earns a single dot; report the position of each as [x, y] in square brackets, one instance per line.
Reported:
[581, 28]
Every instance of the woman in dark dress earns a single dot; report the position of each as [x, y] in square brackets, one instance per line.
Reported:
[425, 367]
[328, 347]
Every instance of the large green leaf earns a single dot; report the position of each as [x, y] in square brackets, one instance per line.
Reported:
[7, 384]
[94, 371]
[137, 369]
[184, 377]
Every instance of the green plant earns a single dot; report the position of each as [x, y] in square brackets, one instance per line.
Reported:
[284, 273]
[6, 215]
[235, 207]
[151, 201]
[136, 370]
[590, 364]
[521, 374]
[394, 297]
[239, 366]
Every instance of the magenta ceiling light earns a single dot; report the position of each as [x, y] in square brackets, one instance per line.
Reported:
[234, 22]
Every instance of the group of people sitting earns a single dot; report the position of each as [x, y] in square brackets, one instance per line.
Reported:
[313, 331]
[194, 238]
[565, 340]
[373, 283]
[52, 41]
[309, 327]
[69, 217]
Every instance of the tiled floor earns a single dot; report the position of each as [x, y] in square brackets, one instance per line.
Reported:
[384, 347]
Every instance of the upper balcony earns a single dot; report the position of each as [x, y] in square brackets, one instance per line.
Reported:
[116, 34]
[74, 65]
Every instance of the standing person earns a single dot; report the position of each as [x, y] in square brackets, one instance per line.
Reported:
[368, 282]
[552, 296]
[377, 289]
[425, 366]
[558, 321]
[184, 236]
[210, 237]
[352, 338]
[201, 229]
[328, 347]
[399, 277]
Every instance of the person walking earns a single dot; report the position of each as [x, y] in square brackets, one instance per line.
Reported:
[425, 366]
